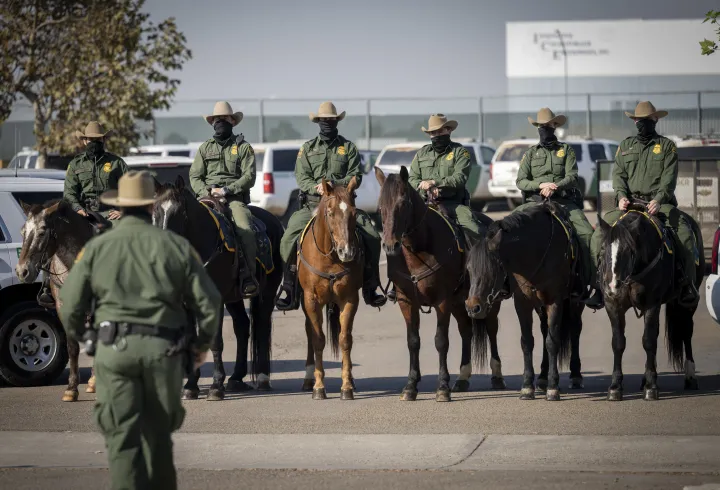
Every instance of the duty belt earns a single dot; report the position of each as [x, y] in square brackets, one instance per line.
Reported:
[110, 331]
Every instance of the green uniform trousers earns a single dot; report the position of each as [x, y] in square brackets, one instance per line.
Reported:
[302, 217]
[138, 407]
[673, 218]
[584, 232]
[465, 218]
[242, 216]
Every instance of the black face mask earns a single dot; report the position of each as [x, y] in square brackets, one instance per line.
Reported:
[646, 129]
[547, 136]
[328, 130]
[95, 149]
[223, 130]
[440, 143]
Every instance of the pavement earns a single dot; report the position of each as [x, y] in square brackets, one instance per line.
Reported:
[284, 439]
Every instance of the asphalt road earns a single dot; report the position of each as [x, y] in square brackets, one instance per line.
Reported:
[283, 439]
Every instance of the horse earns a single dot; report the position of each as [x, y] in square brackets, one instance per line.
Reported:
[420, 243]
[533, 251]
[53, 233]
[330, 272]
[636, 271]
[178, 210]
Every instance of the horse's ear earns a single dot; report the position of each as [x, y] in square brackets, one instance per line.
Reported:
[49, 211]
[180, 182]
[493, 243]
[380, 176]
[352, 186]
[25, 207]
[604, 227]
[158, 185]
[327, 188]
[404, 173]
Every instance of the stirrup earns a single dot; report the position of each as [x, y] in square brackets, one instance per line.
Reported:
[250, 287]
[372, 298]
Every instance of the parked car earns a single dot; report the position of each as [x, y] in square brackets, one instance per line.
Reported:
[41, 173]
[33, 346]
[166, 168]
[27, 158]
[392, 157]
[187, 150]
[506, 163]
[276, 189]
[712, 285]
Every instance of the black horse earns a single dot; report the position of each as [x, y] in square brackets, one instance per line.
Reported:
[178, 210]
[531, 251]
[637, 271]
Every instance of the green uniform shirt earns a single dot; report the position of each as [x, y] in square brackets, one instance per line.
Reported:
[86, 179]
[450, 170]
[540, 165]
[648, 170]
[337, 161]
[139, 273]
[231, 165]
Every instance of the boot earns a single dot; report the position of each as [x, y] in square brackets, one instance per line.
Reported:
[249, 285]
[371, 283]
[595, 301]
[392, 294]
[289, 285]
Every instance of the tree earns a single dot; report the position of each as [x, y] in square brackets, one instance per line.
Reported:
[81, 60]
[709, 47]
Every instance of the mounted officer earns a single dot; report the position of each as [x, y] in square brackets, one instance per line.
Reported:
[224, 166]
[646, 168]
[88, 175]
[335, 158]
[140, 280]
[549, 170]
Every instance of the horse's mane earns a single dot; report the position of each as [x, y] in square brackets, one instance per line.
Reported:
[38, 208]
[484, 262]
[627, 232]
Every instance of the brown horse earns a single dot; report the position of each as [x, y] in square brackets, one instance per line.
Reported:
[53, 234]
[330, 272]
[427, 267]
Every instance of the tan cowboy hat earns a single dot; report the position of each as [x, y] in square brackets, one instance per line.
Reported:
[223, 108]
[646, 109]
[327, 109]
[93, 130]
[135, 188]
[437, 121]
[546, 116]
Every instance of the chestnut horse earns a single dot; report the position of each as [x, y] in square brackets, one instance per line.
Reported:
[427, 267]
[54, 234]
[330, 271]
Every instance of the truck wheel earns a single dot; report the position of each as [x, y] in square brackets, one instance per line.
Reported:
[33, 346]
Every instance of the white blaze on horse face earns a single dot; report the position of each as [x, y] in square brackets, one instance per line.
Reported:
[166, 209]
[614, 249]
[343, 207]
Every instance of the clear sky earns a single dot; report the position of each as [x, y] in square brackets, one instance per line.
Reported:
[372, 48]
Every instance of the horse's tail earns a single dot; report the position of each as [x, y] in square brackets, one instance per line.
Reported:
[333, 329]
[569, 321]
[678, 323]
[479, 343]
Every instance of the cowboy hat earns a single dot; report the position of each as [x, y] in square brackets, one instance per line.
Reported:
[135, 188]
[93, 130]
[223, 108]
[646, 109]
[546, 116]
[327, 109]
[437, 121]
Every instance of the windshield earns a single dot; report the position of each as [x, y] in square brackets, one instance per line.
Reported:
[512, 152]
[397, 156]
[166, 175]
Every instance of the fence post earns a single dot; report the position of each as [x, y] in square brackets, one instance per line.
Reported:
[368, 127]
[588, 118]
[699, 111]
[481, 120]
[261, 122]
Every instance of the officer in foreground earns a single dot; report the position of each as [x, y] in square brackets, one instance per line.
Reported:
[646, 168]
[335, 158]
[141, 279]
[88, 175]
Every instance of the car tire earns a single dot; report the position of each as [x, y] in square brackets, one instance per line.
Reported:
[26, 323]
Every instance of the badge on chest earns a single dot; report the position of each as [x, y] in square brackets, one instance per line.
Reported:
[341, 150]
[561, 152]
[657, 149]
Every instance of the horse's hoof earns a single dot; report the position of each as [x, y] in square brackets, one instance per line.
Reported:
[651, 394]
[615, 395]
[319, 394]
[215, 395]
[691, 384]
[497, 383]
[234, 386]
[91, 385]
[461, 386]
[542, 384]
[308, 384]
[408, 396]
[264, 386]
[552, 395]
[190, 394]
[527, 394]
[70, 396]
[347, 394]
[576, 384]
[442, 396]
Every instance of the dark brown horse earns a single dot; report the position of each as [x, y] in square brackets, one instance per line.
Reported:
[428, 269]
[53, 234]
[330, 272]
[177, 209]
[533, 251]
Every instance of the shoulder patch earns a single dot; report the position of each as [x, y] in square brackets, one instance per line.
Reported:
[300, 152]
[79, 255]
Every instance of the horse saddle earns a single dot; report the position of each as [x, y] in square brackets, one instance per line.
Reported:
[220, 210]
[462, 240]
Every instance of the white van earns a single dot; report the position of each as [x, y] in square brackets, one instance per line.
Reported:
[187, 150]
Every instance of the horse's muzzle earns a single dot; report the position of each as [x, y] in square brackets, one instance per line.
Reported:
[392, 249]
[25, 273]
[475, 311]
[347, 253]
